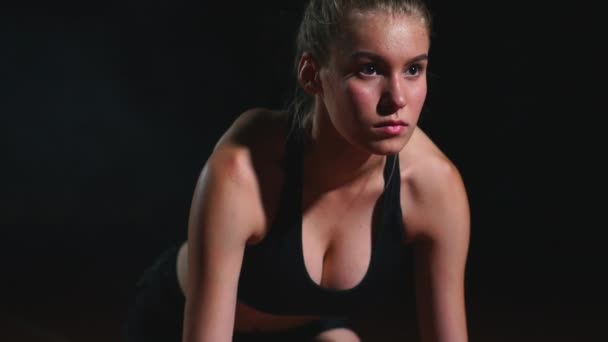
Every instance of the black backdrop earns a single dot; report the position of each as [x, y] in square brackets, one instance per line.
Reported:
[108, 112]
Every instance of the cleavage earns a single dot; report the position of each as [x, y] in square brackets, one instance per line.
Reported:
[337, 256]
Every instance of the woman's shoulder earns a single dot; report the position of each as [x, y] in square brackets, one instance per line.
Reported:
[257, 135]
[257, 128]
[425, 164]
[246, 164]
[255, 141]
[431, 183]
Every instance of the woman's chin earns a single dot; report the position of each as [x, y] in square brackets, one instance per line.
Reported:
[387, 146]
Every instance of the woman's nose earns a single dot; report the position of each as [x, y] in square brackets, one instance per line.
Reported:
[393, 96]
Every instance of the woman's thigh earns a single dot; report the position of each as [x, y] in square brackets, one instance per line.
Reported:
[325, 329]
[156, 311]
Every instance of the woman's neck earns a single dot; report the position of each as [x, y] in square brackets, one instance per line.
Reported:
[331, 162]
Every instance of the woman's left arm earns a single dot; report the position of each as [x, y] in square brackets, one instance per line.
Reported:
[441, 254]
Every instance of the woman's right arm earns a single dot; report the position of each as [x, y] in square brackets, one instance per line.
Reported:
[223, 216]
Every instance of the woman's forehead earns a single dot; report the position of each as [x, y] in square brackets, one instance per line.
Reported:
[382, 33]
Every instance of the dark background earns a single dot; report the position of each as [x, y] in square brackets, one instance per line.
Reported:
[108, 112]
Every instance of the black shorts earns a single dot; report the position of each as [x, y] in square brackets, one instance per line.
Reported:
[157, 310]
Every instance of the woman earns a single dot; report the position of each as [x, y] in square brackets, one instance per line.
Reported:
[302, 219]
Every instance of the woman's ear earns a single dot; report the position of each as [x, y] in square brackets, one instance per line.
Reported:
[308, 74]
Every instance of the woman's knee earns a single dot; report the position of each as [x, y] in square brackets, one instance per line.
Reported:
[337, 335]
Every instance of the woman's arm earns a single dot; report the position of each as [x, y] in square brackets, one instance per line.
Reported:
[441, 253]
[223, 217]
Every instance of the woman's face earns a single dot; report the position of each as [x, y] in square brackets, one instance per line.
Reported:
[374, 83]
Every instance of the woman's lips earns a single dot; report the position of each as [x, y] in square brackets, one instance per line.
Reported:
[393, 130]
[391, 127]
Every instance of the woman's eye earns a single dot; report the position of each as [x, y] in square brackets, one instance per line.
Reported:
[368, 70]
[414, 69]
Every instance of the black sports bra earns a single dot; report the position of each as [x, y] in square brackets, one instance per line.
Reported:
[274, 278]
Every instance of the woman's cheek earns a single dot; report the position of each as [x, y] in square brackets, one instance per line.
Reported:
[419, 94]
[362, 98]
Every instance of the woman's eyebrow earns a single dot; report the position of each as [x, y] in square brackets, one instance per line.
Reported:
[373, 56]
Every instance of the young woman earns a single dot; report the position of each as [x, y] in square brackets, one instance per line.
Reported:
[306, 217]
